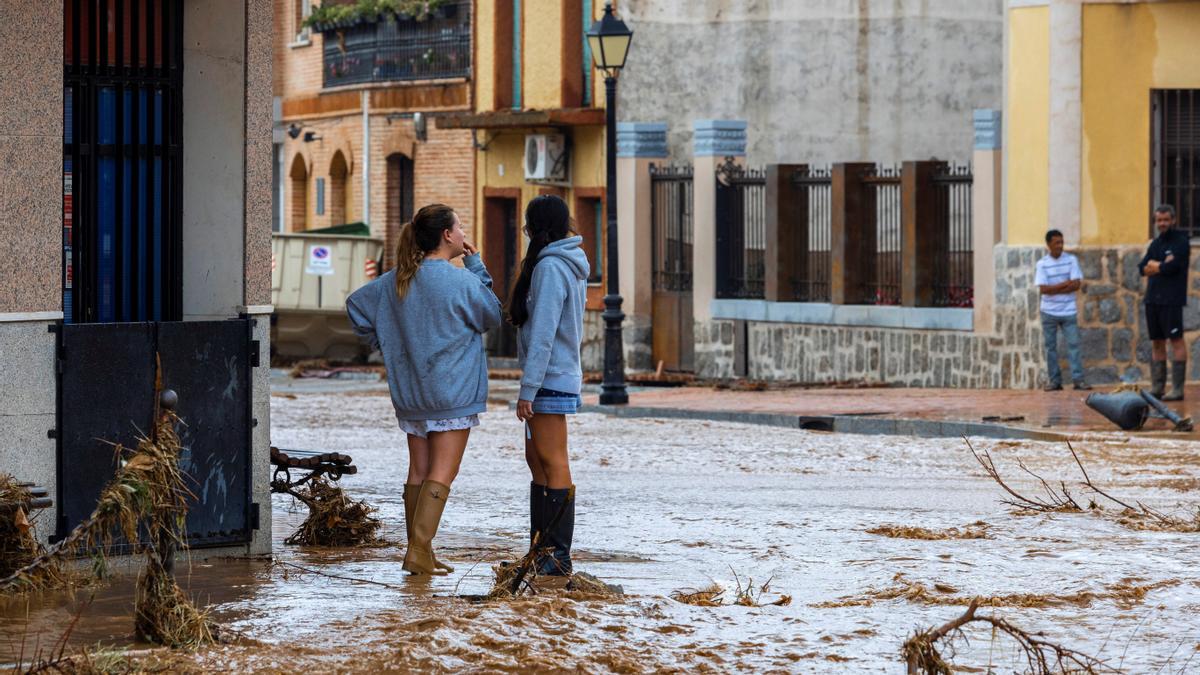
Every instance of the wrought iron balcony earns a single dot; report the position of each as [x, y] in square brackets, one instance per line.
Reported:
[399, 49]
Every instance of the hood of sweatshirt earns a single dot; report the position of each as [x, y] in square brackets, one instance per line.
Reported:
[569, 250]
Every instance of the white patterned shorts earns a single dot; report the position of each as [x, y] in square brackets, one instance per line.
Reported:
[422, 428]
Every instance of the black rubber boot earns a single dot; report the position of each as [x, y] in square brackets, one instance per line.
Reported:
[1158, 378]
[1178, 377]
[559, 536]
[537, 494]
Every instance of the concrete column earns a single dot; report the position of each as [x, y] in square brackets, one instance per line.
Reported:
[639, 144]
[1066, 133]
[712, 143]
[985, 215]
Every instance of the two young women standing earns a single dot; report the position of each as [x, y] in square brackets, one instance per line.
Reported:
[427, 318]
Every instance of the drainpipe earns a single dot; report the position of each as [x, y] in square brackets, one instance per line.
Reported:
[366, 157]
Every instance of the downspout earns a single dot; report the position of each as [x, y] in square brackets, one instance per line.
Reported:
[366, 157]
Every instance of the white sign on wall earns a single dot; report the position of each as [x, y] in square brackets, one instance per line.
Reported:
[320, 261]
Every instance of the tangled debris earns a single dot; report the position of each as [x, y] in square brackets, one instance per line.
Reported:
[1125, 593]
[18, 542]
[976, 530]
[1041, 656]
[334, 519]
[1135, 516]
[147, 494]
[579, 586]
[713, 595]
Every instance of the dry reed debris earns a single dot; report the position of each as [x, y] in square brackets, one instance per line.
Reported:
[334, 519]
[976, 530]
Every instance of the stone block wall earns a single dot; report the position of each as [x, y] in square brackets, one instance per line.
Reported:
[1112, 326]
[635, 336]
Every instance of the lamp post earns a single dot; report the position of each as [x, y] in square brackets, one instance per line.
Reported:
[609, 40]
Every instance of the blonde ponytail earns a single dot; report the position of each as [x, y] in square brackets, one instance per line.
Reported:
[408, 259]
[417, 238]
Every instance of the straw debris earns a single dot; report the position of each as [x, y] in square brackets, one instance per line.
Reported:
[334, 519]
[18, 541]
[577, 586]
[976, 530]
[747, 595]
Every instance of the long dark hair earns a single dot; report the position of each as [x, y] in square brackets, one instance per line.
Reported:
[421, 236]
[547, 220]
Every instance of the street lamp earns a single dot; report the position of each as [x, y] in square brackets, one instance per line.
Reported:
[609, 40]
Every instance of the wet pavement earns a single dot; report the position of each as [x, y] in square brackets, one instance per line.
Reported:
[1059, 411]
[666, 505]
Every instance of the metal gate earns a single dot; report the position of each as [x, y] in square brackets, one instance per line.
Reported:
[671, 228]
[122, 160]
[741, 201]
[106, 396]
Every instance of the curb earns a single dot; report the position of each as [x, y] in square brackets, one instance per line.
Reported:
[845, 424]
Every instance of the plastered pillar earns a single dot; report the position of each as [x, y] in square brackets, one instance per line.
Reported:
[1066, 130]
[985, 215]
[714, 141]
[639, 144]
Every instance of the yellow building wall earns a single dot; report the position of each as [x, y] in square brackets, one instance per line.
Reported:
[1028, 120]
[1128, 50]
[541, 54]
[485, 54]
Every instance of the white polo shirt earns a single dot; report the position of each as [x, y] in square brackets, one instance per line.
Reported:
[1051, 271]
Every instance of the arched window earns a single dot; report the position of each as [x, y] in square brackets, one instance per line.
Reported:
[338, 198]
[298, 202]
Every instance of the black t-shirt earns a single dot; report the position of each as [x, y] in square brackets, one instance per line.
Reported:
[1169, 286]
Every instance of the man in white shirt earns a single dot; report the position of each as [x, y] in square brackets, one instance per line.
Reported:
[1058, 277]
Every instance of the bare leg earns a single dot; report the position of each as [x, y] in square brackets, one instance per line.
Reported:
[418, 460]
[446, 450]
[1158, 350]
[1178, 351]
[550, 444]
[537, 472]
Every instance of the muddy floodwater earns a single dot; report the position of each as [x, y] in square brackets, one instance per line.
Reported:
[669, 505]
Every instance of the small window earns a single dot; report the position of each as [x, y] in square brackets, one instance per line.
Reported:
[589, 220]
[303, 8]
[320, 196]
[1176, 173]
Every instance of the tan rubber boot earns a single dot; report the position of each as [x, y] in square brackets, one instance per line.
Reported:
[1178, 379]
[418, 559]
[411, 492]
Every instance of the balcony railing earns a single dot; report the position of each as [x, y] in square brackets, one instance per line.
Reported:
[393, 49]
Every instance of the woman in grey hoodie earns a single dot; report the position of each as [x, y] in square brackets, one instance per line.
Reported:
[546, 305]
[427, 318]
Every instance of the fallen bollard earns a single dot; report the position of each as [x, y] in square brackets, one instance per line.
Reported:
[1125, 409]
[1181, 423]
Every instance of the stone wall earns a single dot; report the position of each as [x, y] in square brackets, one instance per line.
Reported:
[635, 334]
[1112, 326]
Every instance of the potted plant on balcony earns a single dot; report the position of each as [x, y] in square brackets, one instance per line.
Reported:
[329, 16]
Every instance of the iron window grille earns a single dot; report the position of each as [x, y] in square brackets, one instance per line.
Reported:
[1176, 155]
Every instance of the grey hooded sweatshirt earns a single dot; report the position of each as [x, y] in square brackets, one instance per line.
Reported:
[548, 348]
[432, 339]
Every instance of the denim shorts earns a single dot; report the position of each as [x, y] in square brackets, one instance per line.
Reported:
[550, 402]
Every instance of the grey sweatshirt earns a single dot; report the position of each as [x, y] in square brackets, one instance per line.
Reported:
[432, 339]
[548, 348]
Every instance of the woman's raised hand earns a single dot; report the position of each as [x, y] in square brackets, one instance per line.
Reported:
[469, 248]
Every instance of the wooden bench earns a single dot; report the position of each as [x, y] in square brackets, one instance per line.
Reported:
[309, 464]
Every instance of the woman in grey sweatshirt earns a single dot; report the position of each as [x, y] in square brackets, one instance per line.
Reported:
[546, 305]
[427, 318]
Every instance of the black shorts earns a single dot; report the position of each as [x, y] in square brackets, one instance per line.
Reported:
[1164, 322]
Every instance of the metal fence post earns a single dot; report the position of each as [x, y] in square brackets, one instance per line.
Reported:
[852, 221]
[919, 236]
[786, 232]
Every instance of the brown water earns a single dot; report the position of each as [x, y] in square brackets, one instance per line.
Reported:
[667, 505]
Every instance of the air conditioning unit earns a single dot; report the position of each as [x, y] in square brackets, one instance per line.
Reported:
[545, 157]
